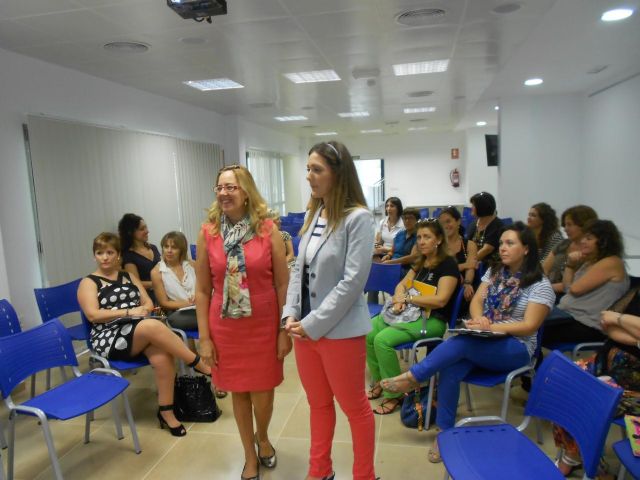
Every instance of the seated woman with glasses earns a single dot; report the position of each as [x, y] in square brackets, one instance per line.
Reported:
[403, 251]
[513, 300]
[435, 267]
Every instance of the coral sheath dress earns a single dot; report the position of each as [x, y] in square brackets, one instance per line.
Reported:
[246, 346]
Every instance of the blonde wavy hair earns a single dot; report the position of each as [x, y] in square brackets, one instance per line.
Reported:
[255, 205]
[346, 194]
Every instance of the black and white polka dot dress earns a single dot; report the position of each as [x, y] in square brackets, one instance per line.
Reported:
[114, 341]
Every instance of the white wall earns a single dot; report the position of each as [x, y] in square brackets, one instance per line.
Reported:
[541, 153]
[417, 165]
[612, 156]
[480, 177]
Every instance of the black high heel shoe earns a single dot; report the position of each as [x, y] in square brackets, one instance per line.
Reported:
[194, 363]
[178, 431]
[255, 477]
[270, 461]
[329, 477]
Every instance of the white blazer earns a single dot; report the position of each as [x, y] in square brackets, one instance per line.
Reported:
[337, 274]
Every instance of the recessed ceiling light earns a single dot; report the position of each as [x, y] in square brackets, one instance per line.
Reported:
[507, 8]
[616, 14]
[213, 84]
[417, 129]
[497, 107]
[533, 81]
[419, 109]
[325, 134]
[313, 76]
[353, 114]
[421, 93]
[420, 17]
[126, 47]
[416, 68]
[375, 130]
[481, 124]
[291, 118]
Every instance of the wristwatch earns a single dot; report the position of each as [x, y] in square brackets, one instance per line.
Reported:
[283, 323]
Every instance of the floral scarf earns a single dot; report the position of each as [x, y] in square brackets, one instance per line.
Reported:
[235, 301]
[502, 296]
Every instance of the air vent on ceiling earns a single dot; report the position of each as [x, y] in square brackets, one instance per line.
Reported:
[507, 8]
[309, 126]
[393, 122]
[420, 17]
[126, 47]
[421, 93]
[418, 120]
[597, 69]
[308, 107]
[261, 104]
[459, 97]
[364, 72]
[193, 40]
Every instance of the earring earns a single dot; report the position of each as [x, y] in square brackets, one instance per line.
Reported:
[246, 202]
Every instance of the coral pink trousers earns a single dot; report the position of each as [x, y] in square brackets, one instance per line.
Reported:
[335, 368]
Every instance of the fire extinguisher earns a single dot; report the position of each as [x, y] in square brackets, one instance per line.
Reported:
[454, 176]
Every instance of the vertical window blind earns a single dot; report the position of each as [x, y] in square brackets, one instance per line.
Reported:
[267, 169]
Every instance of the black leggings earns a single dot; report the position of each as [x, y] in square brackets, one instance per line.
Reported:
[570, 331]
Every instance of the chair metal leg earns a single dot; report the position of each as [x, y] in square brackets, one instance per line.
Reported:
[622, 472]
[55, 464]
[87, 426]
[33, 385]
[539, 431]
[12, 437]
[63, 373]
[427, 414]
[468, 396]
[48, 379]
[1, 469]
[505, 400]
[3, 441]
[116, 419]
[132, 425]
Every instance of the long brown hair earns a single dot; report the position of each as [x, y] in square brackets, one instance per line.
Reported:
[346, 194]
[256, 205]
[442, 251]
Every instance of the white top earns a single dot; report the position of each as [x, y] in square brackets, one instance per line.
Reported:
[178, 289]
[388, 234]
[314, 241]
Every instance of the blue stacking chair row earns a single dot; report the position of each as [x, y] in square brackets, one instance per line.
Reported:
[563, 394]
[80, 396]
[382, 278]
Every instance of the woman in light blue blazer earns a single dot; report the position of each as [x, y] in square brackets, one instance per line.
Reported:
[326, 312]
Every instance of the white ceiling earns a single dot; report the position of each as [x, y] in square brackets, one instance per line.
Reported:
[259, 40]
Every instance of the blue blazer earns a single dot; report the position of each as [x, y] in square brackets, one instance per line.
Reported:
[337, 275]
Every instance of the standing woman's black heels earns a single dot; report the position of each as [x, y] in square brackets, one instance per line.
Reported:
[178, 431]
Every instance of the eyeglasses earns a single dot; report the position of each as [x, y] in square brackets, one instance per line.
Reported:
[228, 188]
[426, 221]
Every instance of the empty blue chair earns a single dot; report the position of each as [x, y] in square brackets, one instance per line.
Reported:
[563, 394]
[437, 212]
[424, 213]
[79, 396]
[506, 221]
[382, 278]
[53, 302]
[9, 325]
[192, 249]
[628, 462]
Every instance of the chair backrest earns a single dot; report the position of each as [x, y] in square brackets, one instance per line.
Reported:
[59, 300]
[578, 402]
[455, 313]
[9, 323]
[296, 243]
[383, 278]
[506, 221]
[25, 353]
[291, 228]
[436, 212]
[192, 249]
[466, 212]
[424, 213]
[87, 329]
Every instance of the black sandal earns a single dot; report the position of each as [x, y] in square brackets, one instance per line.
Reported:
[178, 431]
[194, 363]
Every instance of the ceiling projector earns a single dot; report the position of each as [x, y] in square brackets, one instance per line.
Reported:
[198, 10]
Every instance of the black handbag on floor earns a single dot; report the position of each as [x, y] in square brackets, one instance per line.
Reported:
[193, 400]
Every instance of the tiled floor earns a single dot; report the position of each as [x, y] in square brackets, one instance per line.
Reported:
[213, 451]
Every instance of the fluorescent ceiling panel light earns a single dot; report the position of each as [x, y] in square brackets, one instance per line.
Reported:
[416, 68]
[213, 84]
[481, 124]
[313, 76]
[616, 14]
[375, 130]
[419, 109]
[291, 118]
[353, 114]
[417, 129]
[533, 81]
[325, 134]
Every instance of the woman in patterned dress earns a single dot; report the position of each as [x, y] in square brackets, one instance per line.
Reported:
[116, 303]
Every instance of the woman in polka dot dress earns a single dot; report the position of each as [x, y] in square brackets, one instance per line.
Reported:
[110, 293]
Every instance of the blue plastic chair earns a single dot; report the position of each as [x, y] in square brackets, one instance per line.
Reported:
[628, 462]
[506, 221]
[291, 228]
[53, 302]
[466, 212]
[424, 213]
[192, 249]
[563, 394]
[382, 278]
[437, 212]
[80, 396]
[295, 240]
[9, 325]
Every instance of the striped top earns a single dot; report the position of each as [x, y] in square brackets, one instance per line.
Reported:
[314, 240]
[539, 292]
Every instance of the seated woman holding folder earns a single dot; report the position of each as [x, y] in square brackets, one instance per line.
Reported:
[116, 304]
[420, 308]
[514, 298]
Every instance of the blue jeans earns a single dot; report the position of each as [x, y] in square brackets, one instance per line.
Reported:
[458, 356]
